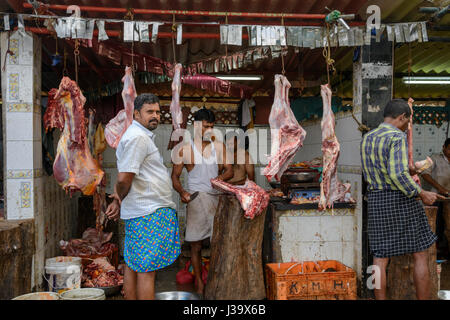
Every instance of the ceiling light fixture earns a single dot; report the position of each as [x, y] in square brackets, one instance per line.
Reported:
[426, 80]
[240, 77]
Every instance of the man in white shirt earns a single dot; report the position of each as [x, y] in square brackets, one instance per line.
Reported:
[204, 160]
[143, 195]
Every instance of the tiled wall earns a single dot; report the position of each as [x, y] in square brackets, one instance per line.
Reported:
[328, 237]
[428, 139]
[56, 221]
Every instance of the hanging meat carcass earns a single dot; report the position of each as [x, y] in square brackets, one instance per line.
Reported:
[419, 166]
[175, 108]
[286, 133]
[253, 198]
[117, 126]
[331, 189]
[74, 168]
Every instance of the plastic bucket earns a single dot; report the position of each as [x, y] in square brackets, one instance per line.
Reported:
[38, 296]
[64, 273]
[83, 294]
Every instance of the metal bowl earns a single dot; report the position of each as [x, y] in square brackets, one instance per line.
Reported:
[444, 294]
[176, 295]
[111, 291]
[275, 184]
[301, 177]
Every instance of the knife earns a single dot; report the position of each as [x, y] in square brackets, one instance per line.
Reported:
[193, 196]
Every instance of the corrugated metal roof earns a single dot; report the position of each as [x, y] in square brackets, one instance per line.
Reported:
[427, 58]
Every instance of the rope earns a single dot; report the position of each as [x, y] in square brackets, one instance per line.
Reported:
[283, 71]
[409, 69]
[65, 72]
[7, 52]
[174, 28]
[327, 55]
[226, 45]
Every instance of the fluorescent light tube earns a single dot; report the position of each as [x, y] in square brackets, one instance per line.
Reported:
[426, 80]
[237, 77]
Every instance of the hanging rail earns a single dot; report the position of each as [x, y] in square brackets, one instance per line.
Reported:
[188, 13]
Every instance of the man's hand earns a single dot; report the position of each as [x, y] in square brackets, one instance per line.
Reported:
[443, 191]
[185, 197]
[113, 210]
[429, 198]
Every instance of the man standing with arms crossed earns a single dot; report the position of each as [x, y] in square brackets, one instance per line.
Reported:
[397, 223]
[204, 160]
[143, 196]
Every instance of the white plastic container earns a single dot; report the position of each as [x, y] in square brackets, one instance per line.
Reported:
[63, 273]
[38, 296]
[83, 294]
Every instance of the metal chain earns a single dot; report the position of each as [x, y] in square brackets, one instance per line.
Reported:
[76, 53]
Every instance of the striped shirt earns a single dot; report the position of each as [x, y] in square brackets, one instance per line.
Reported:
[385, 161]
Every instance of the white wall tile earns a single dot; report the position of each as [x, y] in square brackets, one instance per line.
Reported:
[331, 251]
[331, 228]
[18, 126]
[309, 251]
[308, 228]
[19, 155]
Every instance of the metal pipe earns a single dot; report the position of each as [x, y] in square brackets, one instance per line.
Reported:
[188, 13]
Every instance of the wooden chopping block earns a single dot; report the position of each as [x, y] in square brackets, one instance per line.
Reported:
[400, 272]
[236, 268]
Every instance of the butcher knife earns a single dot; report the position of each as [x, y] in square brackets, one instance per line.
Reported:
[193, 196]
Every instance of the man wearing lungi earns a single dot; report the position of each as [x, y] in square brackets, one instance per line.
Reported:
[397, 223]
[204, 160]
[143, 195]
[437, 179]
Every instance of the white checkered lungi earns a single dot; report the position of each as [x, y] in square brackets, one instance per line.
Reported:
[397, 225]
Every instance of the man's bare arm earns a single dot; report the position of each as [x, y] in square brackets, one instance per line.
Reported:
[435, 184]
[121, 189]
[177, 169]
[249, 167]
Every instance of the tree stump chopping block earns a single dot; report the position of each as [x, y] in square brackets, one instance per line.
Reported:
[235, 271]
[400, 272]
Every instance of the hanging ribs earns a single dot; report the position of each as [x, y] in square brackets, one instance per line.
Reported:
[117, 126]
[331, 189]
[253, 198]
[287, 135]
[74, 168]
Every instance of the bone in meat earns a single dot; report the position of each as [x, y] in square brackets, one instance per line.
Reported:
[253, 198]
[287, 135]
[117, 126]
[74, 168]
[331, 189]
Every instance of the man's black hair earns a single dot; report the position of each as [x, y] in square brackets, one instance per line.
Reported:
[204, 114]
[447, 142]
[396, 107]
[144, 98]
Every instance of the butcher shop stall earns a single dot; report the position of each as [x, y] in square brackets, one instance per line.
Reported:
[298, 84]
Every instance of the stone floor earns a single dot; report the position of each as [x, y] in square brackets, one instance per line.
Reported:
[165, 280]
